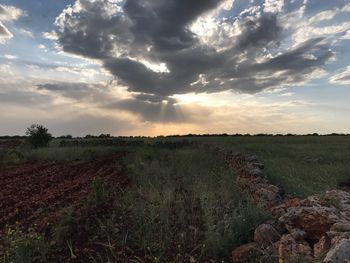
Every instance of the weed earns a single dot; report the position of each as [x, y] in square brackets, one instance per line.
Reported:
[13, 157]
[24, 247]
[64, 228]
[186, 205]
[71, 249]
[89, 155]
[332, 201]
[100, 190]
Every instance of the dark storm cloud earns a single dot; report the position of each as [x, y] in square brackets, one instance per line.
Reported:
[164, 23]
[296, 60]
[158, 31]
[93, 30]
[260, 32]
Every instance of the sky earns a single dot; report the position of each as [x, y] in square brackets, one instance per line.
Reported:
[160, 67]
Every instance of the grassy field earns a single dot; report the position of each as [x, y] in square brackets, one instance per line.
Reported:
[302, 165]
[183, 202]
[188, 204]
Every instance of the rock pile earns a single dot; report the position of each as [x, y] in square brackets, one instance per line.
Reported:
[315, 228]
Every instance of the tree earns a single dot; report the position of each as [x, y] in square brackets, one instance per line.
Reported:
[38, 135]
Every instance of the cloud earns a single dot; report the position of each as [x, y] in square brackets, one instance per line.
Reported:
[93, 93]
[342, 78]
[50, 35]
[8, 14]
[133, 39]
[20, 93]
[5, 34]
[273, 6]
[145, 106]
[80, 124]
[27, 33]
[10, 57]
[152, 111]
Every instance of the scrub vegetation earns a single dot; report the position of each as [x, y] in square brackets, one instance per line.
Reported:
[166, 199]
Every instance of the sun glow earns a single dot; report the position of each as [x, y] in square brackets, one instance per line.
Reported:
[191, 98]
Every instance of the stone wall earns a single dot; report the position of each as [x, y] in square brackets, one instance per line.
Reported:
[314, 229]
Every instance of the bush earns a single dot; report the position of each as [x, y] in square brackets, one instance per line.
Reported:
[24, 247]
[38, 135]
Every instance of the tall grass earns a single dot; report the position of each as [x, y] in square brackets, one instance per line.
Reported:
[302, 165]
[186, 204]
[68, 153]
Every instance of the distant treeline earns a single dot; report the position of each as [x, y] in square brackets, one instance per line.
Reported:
[106, 136]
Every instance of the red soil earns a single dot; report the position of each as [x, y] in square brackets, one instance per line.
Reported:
[34, 193]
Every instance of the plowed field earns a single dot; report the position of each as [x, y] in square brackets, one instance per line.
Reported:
[35, 192]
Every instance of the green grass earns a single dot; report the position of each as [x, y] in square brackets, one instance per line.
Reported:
[187, 203]
[61, 154]
[302, 165]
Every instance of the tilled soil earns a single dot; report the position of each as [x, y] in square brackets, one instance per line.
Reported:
[34, 193]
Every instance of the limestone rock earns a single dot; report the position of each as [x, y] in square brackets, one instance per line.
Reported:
[341, 227]
[246, 253]
[314, 220]
[339, 253]
[265, 235]
[290, 250]
[322, 246]
[298, 234]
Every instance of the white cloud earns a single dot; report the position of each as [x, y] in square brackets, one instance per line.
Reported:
[322, 16]
[26, 33]
[11, 57]
[273, 6]
[5, 34]
[10, 13]
[50, 35]
[346, 35]
[342, 78]
[288, 94]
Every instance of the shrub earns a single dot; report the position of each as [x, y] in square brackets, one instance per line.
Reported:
[38, 135]
[24, 247]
